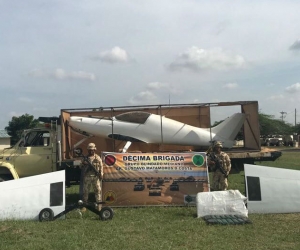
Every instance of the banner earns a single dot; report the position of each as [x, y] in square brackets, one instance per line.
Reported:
[139, 179]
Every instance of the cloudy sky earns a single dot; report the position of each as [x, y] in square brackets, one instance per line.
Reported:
[61, 54]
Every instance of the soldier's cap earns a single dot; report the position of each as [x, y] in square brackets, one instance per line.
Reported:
[91, 146]
[218, 144]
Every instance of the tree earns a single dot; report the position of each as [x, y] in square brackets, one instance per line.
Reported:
[297, 129]
[270, 126]
[18, 124]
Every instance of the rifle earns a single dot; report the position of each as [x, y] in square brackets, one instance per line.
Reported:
[216, 160]
[78, 152]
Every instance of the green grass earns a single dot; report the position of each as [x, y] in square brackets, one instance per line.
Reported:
[157, 227]
[290, 160]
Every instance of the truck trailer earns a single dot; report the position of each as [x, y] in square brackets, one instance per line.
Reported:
[51, 147]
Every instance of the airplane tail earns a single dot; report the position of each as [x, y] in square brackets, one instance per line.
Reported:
[229, 128]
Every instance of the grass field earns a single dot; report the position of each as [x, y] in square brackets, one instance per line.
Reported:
[158, 227]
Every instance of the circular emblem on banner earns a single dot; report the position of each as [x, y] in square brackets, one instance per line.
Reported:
[109, 160]
[198, 160]
[110, 197]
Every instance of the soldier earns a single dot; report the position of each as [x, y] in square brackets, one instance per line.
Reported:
[92, 176]
[220, 163]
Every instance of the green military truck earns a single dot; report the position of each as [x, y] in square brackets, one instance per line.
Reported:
[37, 152]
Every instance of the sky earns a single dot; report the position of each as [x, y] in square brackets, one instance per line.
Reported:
[65, 54]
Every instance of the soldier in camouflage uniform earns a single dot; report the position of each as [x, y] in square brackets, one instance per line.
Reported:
[90, 177]
[221, 170]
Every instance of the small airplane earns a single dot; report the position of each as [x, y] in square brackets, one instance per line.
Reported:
[138, 126]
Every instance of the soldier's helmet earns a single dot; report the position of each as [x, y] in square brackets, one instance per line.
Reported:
[91, 146]
[218, 144]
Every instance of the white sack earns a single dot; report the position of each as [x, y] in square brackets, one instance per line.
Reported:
[230, 202]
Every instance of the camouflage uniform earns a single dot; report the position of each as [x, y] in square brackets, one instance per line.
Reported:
[220, 182]
[90, 178]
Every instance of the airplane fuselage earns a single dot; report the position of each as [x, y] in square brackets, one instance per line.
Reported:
[152, 128]
[156, 129]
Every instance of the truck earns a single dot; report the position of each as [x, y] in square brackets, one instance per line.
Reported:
[279, 140]
[51, 147]
[290, 140]
[38, 152]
